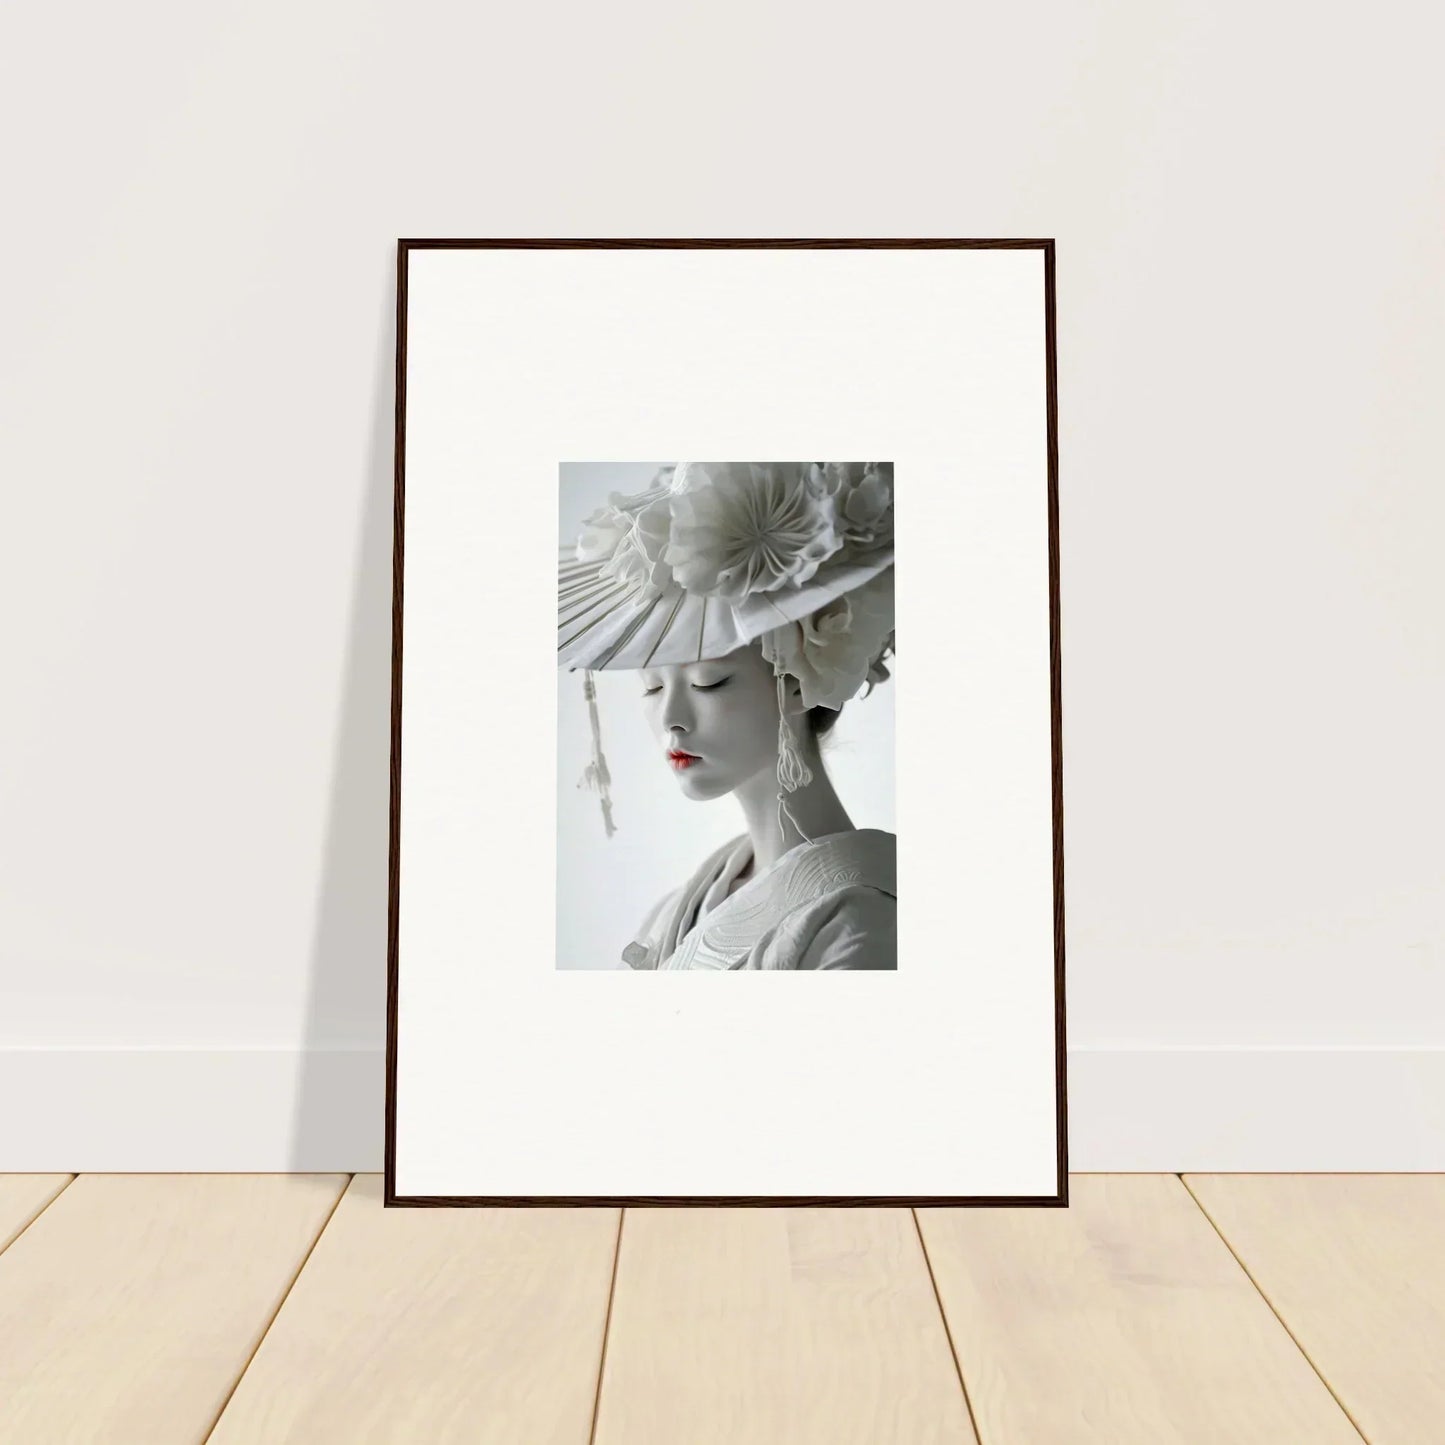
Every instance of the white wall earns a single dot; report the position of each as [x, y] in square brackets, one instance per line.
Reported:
[195, 558]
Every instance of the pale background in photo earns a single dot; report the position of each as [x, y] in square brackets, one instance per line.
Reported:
[606, 885]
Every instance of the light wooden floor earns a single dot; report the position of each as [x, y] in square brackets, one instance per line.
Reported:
[1221, 1309]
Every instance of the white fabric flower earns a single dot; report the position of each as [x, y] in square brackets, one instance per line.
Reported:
[835, 650]
[741, 528]
[605, 528]
[639, 556]
[629, 536]
[602, 531]
[863, 495]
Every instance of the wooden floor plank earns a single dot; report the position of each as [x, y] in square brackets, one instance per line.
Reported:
[1354, 1264]
[808, 1326]
[1121, 1320]
[22, 1197]
[435, 1326]
[131, 1305]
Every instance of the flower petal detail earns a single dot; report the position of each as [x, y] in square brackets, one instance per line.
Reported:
[629, 536]
[832, 652]
[743, 528]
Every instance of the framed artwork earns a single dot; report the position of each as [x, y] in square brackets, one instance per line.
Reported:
[654, 716]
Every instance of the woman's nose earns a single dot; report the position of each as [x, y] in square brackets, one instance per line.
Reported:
[677, 711]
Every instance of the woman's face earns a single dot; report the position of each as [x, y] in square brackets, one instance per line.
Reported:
[716, 721]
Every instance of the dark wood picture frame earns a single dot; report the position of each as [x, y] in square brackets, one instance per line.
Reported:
[1060, 1198]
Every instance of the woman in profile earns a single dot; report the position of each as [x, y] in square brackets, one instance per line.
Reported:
[752, 600]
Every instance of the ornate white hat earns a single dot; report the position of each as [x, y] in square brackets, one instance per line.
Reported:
[714, 555]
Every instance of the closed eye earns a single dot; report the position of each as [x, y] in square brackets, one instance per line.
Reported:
[697, 686]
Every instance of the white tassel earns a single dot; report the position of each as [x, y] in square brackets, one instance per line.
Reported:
[784, 808]
[793, 770]
[596, 775]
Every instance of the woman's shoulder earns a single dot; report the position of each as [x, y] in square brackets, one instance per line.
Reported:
[852, 926]
[836, 905]
[861, 857]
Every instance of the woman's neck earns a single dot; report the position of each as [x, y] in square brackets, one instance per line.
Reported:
[813, 811]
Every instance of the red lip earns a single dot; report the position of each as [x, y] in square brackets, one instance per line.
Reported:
[681, 760]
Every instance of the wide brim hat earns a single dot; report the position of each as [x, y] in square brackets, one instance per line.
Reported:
[717, 555]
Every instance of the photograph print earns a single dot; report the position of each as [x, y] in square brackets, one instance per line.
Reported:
[724, 631]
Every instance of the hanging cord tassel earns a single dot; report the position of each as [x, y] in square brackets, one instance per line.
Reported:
[596, 775]
[793, 770]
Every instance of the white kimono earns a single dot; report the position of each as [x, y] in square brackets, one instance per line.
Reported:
[831, 903]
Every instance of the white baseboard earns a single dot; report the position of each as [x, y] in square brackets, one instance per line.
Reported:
[191, 1111]
[1257, 1110]
[1224, 1109]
